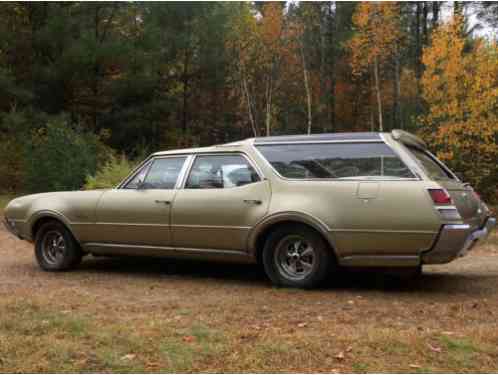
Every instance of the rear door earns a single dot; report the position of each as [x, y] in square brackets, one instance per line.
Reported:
[223, 198]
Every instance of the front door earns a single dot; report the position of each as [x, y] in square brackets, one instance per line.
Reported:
[223, 198]
[139, 212]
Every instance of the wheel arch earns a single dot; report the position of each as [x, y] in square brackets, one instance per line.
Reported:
[260, 232]
[41, 217]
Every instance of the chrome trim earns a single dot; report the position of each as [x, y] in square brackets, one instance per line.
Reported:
[210, 226]
[311, 142]
[383, 231]
[183, 172]
[450, 207]
[249, 160]
[457, 226]
[165, 248]
[132, 224]
[255, 148]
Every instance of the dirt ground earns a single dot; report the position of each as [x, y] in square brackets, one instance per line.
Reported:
[136, 315]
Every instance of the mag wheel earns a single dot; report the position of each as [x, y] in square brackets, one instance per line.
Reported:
[297, 256]
[55, 247]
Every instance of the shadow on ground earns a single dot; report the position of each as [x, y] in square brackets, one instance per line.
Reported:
[454, 281]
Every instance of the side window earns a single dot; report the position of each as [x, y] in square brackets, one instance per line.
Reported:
[220, 172]
[330, 160]
[161, 173]
[139, 177]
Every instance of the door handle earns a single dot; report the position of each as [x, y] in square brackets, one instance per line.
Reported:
[252, 201]
[163, 202]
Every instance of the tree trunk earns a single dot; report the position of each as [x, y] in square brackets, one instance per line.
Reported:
[307, 88]
[377, 91]
[269, 89]
[185, 92]
[332, 30]
[435, 14]
[398, 120]
[418, 55]
[247, 96]
[425, 14]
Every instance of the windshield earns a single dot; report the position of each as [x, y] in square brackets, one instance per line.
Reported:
[431, 167]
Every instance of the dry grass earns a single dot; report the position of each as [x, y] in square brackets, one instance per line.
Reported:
[133, 315]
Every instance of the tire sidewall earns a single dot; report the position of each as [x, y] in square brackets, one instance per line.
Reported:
[322, 250]
[72, 254]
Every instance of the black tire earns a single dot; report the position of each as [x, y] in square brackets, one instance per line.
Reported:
[283, 265]
[55, 247]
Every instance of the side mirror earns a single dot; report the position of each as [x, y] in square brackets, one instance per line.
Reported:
[140, 185]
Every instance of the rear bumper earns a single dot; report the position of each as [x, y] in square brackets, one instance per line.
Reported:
[456, 240]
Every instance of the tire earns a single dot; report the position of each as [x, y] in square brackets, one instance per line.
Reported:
[55, 248]
[297, 256]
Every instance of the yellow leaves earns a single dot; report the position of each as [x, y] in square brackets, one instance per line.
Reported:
[460, 88]
[378, 33]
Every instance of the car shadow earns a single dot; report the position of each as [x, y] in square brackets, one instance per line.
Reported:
[352, 280]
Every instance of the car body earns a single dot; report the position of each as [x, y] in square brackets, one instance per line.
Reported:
[354, 199]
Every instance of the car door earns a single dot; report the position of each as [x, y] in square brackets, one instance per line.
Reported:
[223, 198]
[139, 212]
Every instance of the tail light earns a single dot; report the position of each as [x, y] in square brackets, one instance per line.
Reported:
[440, 196]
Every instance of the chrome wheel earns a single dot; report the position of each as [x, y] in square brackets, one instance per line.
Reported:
[53, 247]
[295, 257]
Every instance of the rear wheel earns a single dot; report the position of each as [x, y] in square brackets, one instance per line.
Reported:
[296, 256]
[55, 247]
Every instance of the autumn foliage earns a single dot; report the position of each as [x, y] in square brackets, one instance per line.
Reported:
[460, 89]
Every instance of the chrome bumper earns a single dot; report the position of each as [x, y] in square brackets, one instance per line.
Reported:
[456, 240]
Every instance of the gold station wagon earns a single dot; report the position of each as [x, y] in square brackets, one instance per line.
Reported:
[299, 205]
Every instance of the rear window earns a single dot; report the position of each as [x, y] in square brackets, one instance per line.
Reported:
[432, 168]
[335, 160]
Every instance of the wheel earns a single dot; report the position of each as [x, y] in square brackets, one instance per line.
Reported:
[297, 256]
[55, 247]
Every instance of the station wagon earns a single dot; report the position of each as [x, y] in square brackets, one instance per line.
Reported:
[301, 206]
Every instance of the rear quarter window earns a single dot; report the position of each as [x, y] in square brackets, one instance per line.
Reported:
[431, 167]
[335, 160]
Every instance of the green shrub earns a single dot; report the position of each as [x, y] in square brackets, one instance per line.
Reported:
[59, 157]
[111, 174]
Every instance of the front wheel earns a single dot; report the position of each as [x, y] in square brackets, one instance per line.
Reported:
[297, 256]
[55, 247]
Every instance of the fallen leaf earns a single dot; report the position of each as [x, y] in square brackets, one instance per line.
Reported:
[415, 366]
[319, 318]
[302, 325]
[448, 333]
[188, 338]
[128, 357]
[340, 356]
[349, 349]
[436, 349]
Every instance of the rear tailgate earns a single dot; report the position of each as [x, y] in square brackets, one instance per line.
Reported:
[466, 201]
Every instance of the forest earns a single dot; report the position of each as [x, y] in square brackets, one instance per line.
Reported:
[89, 88]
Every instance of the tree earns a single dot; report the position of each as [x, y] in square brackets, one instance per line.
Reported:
[460, 88]
[377, 36]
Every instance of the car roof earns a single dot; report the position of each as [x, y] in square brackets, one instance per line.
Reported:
[234, 146]
[324, 137]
